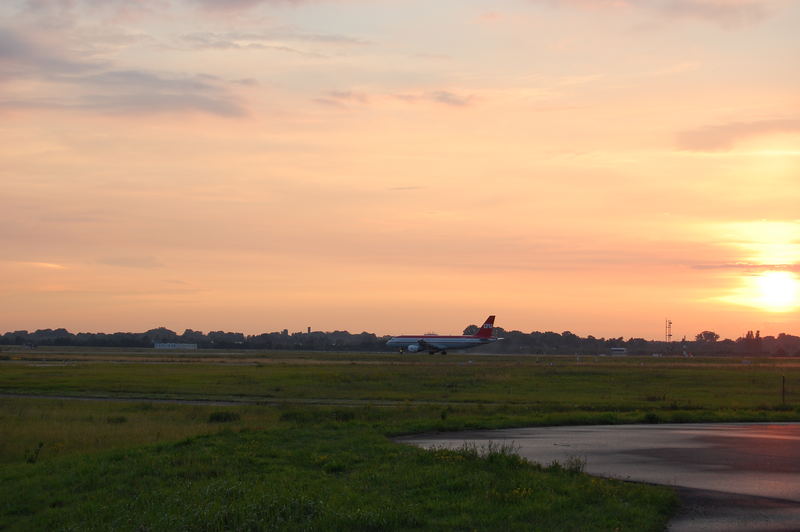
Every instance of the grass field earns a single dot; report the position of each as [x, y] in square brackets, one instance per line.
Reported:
[307, 448]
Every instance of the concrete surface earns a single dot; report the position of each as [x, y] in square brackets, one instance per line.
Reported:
[729, 476]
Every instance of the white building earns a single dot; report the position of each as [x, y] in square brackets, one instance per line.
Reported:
[174, 346]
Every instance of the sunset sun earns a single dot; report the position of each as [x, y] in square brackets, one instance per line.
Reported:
[776, 291]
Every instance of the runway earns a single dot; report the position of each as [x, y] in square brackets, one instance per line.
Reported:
[735, 476]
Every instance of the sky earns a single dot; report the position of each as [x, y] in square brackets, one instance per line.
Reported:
[597, 166]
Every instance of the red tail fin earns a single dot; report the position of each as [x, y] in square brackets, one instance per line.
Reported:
[486, 329]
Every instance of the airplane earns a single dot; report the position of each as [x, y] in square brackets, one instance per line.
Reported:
[434, 343]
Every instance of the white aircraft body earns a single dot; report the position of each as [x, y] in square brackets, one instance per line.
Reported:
[434, 343]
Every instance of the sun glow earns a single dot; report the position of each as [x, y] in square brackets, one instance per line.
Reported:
[776, 291]
[770, 291]
[767, 242]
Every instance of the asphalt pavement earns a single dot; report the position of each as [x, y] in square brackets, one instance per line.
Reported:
[733, 476]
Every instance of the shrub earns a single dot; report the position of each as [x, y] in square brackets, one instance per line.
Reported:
[652, 417]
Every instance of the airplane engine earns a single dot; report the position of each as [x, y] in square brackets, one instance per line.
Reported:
[413, 348]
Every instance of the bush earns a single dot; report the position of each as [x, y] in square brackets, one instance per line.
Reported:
[652, 417]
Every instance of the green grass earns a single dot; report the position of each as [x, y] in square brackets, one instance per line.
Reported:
[552, 382]
[83, 427]
[329, 476]
[291, 465]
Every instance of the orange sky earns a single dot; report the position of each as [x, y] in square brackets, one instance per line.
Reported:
[396, 166]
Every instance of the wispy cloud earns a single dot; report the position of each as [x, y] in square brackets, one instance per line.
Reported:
[342, 98]
[236, 5]
[220, 42]
[725, 13]
[725, 136]
[450, 98]
[132, 262]
[97, 86]
[444, 97]
[45, 265]
[747, 266]
[23, 57]
[289, 40]
[330, 102]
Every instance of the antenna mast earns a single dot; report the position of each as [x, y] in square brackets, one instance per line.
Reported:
[668, 330]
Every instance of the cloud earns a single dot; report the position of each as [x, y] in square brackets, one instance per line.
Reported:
[747, 266]
[450, 98]
[45, 265]
[101, 88]
[275, 39]
[441, 96]
[221, 42]
[140, 92]
[330, 103]
[132, 262]
[342, 99]
[161, 103]
[21, 57]
[59, 14]
[725, 136]
[726, 13]
[349, 96]
[235, 6]
[227, 5]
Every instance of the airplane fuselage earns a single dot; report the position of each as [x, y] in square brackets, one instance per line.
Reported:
[435, 343]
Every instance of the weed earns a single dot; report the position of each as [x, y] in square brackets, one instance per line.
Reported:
[343, 415]
[223, 417]
[32, 456]
[142, 407]
[572, 465]
[116, 420]
[652, 417]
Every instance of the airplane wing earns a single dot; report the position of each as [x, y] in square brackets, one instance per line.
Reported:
[430, 346]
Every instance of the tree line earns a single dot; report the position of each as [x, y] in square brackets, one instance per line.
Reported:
[705, 343]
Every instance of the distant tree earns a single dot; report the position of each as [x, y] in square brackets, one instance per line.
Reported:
[751, 343]
[637, 346]
[226, 339]
[161, 335]
[707, 337]
[193, 337]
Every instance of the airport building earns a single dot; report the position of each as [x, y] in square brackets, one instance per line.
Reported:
[174, 346]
